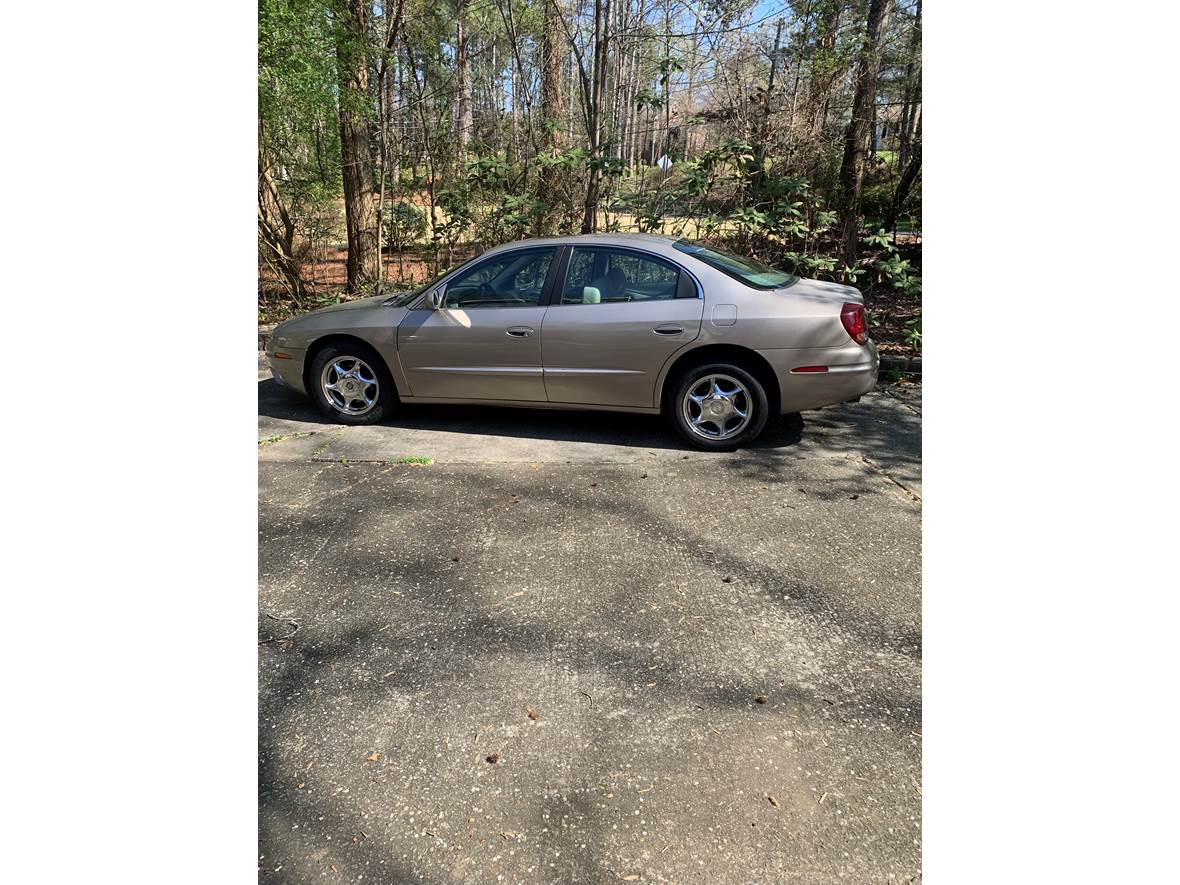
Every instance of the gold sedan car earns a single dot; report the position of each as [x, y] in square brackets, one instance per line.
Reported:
[623, 322]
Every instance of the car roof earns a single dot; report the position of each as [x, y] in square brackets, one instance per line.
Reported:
[661, 243]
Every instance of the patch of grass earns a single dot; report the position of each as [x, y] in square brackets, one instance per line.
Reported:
[279, 437]
[413, 461]
[321, 449]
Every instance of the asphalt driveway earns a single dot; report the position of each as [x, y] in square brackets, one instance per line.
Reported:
[571, 650]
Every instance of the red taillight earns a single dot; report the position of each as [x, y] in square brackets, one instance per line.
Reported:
[853, 317]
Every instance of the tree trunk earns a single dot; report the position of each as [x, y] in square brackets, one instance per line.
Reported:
[819, 89]
[360, 210]
[857, 135]
[464, 104]
[764, 128]
[552, 97]
[594, 115]
[908, 176]
[277, 229]
[913, 90]
[553, 132]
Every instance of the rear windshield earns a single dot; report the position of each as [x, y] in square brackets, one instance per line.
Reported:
[748, 270]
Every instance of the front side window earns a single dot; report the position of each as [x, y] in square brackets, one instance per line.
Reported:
[516, 279]
[748, 270]
[602, 276]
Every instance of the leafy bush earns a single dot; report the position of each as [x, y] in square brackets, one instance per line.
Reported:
[877, 199]
[913, 332]
[404, 223]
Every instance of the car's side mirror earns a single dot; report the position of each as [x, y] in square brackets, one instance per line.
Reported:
[438, 298]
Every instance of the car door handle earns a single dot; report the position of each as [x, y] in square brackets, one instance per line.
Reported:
[520, 331]
[667, 330]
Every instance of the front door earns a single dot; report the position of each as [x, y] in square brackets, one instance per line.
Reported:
[485, 342]
[615, 319]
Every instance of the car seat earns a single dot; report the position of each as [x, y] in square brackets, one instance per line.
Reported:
[611, 285]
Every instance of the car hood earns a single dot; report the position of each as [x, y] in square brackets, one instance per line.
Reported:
[363, 318]
[358, 304]
[822, 291]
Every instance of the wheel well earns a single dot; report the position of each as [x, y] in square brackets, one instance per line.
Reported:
[750, 360]
[320, 343]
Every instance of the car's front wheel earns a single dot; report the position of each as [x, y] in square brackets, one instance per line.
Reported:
[351, 384]
[719, 406]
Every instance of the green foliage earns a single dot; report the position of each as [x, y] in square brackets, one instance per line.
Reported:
[760, 187]
[891, 267]
[404, 224]
[878, 198]
[646, 98]
[913, 332]
[298, 130]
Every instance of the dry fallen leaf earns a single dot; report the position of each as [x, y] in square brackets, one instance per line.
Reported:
[533, 714]
[300, 786]
[373, 757]
[761, 699]
[494, 758]
[773, 801]
[333, 866]
[630, 878]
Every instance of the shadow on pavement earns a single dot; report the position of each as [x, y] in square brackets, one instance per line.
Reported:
[610, 428]
[413, 639]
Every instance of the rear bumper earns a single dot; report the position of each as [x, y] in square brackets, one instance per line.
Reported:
[287, 372]
[851, 372]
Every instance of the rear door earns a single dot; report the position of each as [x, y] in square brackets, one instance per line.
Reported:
[485, 343]
[616, 316]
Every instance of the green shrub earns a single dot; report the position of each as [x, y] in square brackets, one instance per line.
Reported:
[404, 224]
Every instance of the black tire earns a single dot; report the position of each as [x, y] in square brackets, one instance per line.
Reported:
[386, 398]
[755, 397]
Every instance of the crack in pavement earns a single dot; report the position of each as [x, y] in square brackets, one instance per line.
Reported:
[877, 468]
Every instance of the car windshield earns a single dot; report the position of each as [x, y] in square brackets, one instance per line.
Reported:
[748, 270]
[404, 300]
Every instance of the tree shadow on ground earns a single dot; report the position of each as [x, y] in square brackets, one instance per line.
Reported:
[438, 626]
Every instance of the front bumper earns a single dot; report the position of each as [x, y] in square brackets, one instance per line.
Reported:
[851, 372]
[287, 370]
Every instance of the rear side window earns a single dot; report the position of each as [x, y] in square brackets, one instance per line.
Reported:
[598, 275]
[750, 271]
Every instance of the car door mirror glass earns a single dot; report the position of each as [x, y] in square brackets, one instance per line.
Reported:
[438, 298]
[590, 295]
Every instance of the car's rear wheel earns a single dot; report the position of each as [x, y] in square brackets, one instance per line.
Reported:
[719, 406]
[350, 383]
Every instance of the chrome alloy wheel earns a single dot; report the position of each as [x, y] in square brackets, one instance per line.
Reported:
[717, 407]
[350, 385]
